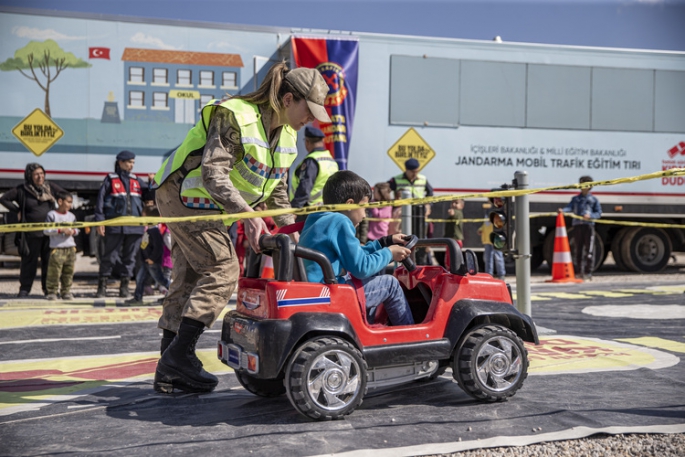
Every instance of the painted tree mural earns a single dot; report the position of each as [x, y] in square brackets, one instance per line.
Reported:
[45, 58]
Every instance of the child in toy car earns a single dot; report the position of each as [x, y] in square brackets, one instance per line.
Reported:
[333, 234]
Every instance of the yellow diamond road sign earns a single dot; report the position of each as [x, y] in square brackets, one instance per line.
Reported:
[411, 146]
[37, 132]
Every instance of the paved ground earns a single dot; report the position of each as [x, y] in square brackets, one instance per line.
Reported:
[75, 379]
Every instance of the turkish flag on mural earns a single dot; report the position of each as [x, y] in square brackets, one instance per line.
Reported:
[98, 53]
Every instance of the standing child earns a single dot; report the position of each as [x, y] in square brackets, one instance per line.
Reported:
[492, 258]
[167, 263]
[586, 206]
[62, 249]
[152, 253]
[379, 229]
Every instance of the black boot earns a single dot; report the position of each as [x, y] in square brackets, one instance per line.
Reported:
[123, 288]
[167, 338]
[179, 367]
[102, 287]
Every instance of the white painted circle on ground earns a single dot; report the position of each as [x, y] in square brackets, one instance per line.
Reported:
[637, 311]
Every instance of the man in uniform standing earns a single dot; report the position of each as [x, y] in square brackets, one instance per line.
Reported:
[121, 194]
[419, 187]
[311, 175]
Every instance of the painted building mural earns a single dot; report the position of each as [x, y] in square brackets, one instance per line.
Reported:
[113, 85]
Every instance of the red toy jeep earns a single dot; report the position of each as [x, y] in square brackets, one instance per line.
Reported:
[312, 340]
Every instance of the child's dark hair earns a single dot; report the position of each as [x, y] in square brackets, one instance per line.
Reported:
[585, 179]
[62, 195]
[343, 185]
[384, 190]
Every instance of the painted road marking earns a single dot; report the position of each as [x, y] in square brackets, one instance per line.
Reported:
[567, 295]
[642, 311]
[607, 293]
[647, 291]
[654, 342]
[572, 354]
[679, 289]
[52, 340]
[20, 318]
[27, 385]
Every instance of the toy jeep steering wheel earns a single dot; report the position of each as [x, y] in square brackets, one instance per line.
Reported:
[409, 262]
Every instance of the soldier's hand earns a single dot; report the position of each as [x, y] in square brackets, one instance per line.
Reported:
[253, 230]
[295, 237]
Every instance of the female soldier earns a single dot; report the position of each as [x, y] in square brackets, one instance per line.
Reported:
[237, 156]
[31, 202]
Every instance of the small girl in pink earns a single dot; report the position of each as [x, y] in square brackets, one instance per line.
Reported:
[379, 229]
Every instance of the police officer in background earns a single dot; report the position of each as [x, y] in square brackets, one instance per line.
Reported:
[121, 194]
[311, 175]
[419, 187]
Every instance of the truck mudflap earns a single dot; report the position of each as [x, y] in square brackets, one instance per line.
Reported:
[467, 312]
[266, 344]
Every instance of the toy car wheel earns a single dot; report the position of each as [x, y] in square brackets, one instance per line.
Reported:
[261, 387]
[326, 378]
[491, 363]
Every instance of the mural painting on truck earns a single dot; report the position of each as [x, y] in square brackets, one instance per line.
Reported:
[487, 109]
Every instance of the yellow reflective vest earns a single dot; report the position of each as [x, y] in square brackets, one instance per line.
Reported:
[327, 166]
[255, 176]
[417, 188]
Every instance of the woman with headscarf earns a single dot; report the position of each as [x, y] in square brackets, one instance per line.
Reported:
[31, 201]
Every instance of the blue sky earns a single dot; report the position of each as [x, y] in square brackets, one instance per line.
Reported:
[644, 24]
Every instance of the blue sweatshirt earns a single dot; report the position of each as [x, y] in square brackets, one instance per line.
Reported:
[334, 235]
[582, 205]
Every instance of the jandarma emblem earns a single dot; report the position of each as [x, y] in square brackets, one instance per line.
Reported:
[334, 76]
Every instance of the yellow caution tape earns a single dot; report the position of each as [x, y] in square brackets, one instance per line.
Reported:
[142, 221]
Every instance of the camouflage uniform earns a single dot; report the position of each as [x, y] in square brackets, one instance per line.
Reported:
[206, 270]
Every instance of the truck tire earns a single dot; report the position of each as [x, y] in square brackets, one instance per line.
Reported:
[261, 387]
[491, 363]
[616, 248]
[646, 249]
[326, 378]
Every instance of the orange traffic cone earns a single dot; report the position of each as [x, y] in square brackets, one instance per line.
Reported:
[267, 267]
[562, 266]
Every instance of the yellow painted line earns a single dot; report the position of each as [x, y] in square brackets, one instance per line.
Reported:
[645, 291]
[679, 289]
[567, 295]
[571, 354]
[11, 318]
[30, 384]
[536, 297]
[607, 293]
[654, 342]
[43, 304]
[533, 297]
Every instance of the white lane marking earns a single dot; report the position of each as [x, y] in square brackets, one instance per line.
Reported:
[52, 340]
[637, 311]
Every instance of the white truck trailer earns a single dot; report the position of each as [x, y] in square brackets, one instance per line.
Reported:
[472, 112]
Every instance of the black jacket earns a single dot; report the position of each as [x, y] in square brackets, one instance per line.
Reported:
[34, 210]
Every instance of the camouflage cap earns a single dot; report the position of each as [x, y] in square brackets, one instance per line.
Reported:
[310, 83]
